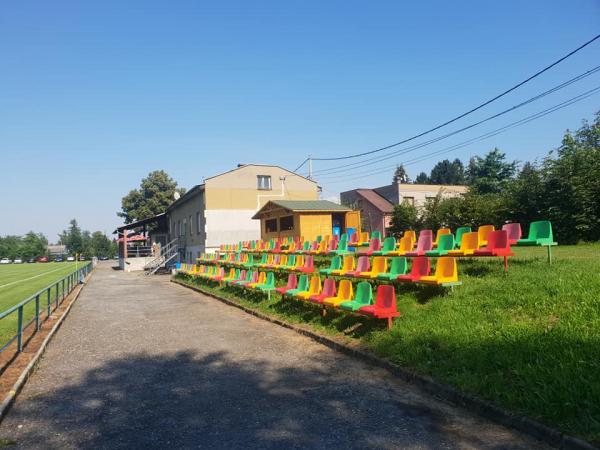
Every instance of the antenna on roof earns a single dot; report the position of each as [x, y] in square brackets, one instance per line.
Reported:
[176, 195]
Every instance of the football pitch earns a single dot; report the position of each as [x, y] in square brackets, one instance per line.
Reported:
[19, 281]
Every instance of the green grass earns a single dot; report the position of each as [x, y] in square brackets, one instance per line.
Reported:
[528, 341]
[19, 281]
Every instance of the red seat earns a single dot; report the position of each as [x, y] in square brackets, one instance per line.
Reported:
[353, 240]
[292, 283]
[374, 246]
[420, 268]
[329, 290]
[426, 233]
[363, 265]
[385, 305]
[424, 244]
[497, 245]
[309, 265]
[513, 230]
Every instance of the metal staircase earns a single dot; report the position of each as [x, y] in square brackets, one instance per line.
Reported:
[167, 253]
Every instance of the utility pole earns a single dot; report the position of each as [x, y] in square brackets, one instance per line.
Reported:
[310, 167]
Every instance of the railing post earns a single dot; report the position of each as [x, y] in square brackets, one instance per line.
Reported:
[63, 290]
[56, 298]
[20, 329]
[49, 302]
[37, 312]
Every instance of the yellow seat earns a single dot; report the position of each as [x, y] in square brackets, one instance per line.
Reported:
[405, 244]
[262, 278]
[299, 262]
[348, 265]
[445, 272]
[230, 275]
[483, 232]
[345, 293]
[412, 234]
[468, 245]
[282, 261]
[440, 233]
[364, 238]
[379, 266]
[313, 289]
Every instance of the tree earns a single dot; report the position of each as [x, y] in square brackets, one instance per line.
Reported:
[155, 194]
[404, 217]
[33, 245]
[100, 245]
[72, 238]
[446, 172]
[422, 178]
[10, 247]
[490, 174]
[400, 175]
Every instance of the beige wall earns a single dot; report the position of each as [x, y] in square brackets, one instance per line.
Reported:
[421, 192]
[190, 237]
[238, 189]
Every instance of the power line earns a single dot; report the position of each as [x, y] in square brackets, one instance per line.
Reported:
[472, 110]
[484, 136]
[371, 161]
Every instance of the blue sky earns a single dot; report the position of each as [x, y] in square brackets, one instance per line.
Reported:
[94, 95]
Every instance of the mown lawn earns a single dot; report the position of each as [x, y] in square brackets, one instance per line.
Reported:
[528, 341]
[19, 281]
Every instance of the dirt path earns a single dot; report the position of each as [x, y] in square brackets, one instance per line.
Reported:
[143, 363]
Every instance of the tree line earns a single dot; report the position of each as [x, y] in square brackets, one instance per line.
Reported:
[564, 187]
[77, 241]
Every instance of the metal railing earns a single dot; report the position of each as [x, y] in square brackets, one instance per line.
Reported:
[53, 296]
[167, 253]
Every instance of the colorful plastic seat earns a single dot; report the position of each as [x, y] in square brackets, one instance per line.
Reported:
[540, 233]
[268, 285]
[446, 272]
[389, 245]
[262, 278]
[497, 245]
[342, 248]
[309, 265]
[460, 231]
[251, 277]
[292, 283]
[301, 287]
[348, 265]
[345, 292]
[426, 233]
[513, 231]
[441, 232]
[327, 291]
[353, 240]
[241, 277]
[374, 246]
[363, 239]
[424, 244]
[483, 232]
[313, 289]
[385, 305]
[335, 264]
[398, 266]
[363, 265]
[445, 244]
[470, 243]
[379, 266]
[406, 244]
[363, 297]
[410, 233]
[420, 268]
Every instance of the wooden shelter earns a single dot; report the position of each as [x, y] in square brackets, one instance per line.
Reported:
[305, 218]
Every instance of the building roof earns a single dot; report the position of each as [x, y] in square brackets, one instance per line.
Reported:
[186, 196]
[301, 206]
[241, 166]
[154, 219]
[377, 200]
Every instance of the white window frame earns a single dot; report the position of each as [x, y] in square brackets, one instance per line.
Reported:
[264, 183]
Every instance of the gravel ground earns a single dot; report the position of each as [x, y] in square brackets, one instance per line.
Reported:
[143, 363]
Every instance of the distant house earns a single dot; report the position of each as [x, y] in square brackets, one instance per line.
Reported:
[305, 218]
[57, 250]
[377, 205]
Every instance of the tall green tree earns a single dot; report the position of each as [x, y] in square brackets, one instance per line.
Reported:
[10, 247]
[400, 175]
[446, 172]
[100, 245]
[490, 174]
[404, 217]
[72, 238]
[422, 178]
[33, 245]
[155, 194]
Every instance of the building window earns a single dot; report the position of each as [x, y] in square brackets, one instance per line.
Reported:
[409, 201]
[184, 226]
[179, 228]
[264, 182]
[286, 223]
[430, 199]
[271, 225]
[191, 225]
[198, 222]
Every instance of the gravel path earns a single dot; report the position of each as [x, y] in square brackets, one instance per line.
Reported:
[143, 363]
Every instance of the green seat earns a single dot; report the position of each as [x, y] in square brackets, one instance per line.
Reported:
[459, 234]
[269, 284]
[363, 297]
[445, 244]
[319, 238]
[342, 248]
[248, 278]
[540, 233]
[302, 286]
[389, 245]
[398, 266]
[344, 237]
[305, 247]
[376, 234]
[335, 264]
[249, 262]
[291, 262]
